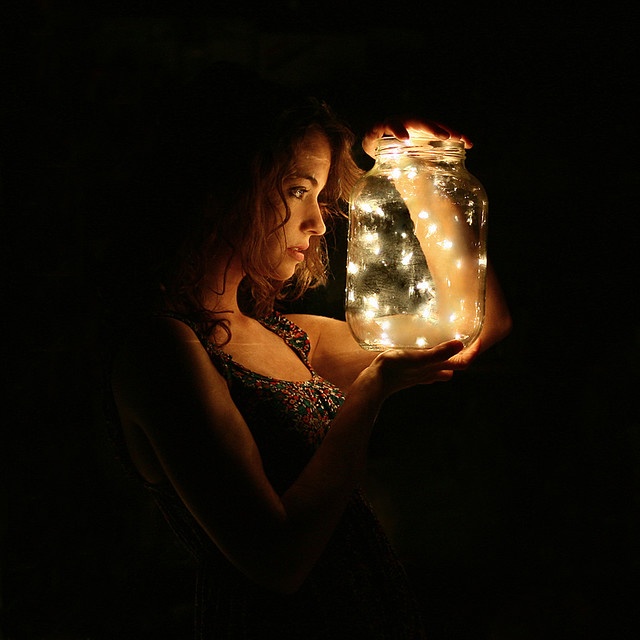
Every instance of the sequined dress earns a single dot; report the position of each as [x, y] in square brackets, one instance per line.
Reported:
[358, 588]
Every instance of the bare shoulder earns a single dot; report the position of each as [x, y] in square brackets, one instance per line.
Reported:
[335, 354]
[155, 345]
[159, 332]
[161, 363]
[327, 335]
[321, 326]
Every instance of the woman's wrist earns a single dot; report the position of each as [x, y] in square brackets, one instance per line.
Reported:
[370, 385]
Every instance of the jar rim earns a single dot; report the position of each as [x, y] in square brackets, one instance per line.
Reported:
[419, 141]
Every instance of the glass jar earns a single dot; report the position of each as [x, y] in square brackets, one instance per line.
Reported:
[416, 256]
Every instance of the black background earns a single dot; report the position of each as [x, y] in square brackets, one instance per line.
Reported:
[511, 492]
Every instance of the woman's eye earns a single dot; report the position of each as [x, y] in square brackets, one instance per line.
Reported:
[297, 192]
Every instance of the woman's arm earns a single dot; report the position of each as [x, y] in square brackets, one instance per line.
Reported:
[497, 317]
[165, 384]
[336, 356]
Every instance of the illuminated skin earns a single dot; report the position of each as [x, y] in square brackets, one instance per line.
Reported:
[182, 426]
[399, 128]
[302, 188]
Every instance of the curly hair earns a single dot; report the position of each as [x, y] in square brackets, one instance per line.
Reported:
[224, 145]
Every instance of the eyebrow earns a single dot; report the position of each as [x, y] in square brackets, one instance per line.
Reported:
[298, 176]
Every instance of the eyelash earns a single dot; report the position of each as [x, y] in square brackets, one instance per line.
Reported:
[298, 192]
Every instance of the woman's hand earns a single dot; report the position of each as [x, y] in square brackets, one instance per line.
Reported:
[397, 369]
[336, 356]
[399, 126]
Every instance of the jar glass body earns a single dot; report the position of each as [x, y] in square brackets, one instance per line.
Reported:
[416, 257]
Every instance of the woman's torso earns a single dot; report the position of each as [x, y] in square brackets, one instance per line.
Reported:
[358, 588]
[255, 349]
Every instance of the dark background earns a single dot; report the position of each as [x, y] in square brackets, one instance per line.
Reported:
[511, 492]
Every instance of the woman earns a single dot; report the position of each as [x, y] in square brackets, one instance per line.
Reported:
[250, 428]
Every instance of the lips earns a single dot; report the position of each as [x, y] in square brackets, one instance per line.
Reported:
[297, 253]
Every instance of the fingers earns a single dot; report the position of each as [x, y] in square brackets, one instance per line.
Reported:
[441, 354]
[403, 368]
[412, 364]
[464, 358]
[408, 367]
[399, 126]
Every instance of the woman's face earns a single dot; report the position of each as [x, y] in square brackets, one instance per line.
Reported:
[301, 188]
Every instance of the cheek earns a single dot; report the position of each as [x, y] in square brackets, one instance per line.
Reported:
[277, 244]
[285, 231]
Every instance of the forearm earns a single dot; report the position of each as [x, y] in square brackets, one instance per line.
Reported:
[340, 462]
[316, 501]
[497, 323]
[449, 247]
[167, 388]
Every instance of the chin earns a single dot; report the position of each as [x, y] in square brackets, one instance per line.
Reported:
[282, 277]
[284, 273]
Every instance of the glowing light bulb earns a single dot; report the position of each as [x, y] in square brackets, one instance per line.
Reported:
[406, 258]
[371, 305]
[425, 285]
[426, 310]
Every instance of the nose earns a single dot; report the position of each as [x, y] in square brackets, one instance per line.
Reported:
[314, 220]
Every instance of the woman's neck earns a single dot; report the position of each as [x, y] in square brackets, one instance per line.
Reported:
[222, 288]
